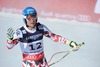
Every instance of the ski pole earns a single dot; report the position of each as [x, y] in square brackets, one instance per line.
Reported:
[67, 52]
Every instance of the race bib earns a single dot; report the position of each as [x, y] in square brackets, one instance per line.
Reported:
[34, 47]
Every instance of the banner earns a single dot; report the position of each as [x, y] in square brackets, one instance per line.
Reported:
[81, 10]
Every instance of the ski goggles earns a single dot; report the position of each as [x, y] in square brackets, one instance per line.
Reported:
[31, 17]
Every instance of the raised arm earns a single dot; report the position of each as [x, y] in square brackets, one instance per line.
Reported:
[13, 37]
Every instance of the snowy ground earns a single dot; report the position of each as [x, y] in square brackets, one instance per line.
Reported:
[87, 56]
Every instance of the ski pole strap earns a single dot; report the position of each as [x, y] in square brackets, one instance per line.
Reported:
[67, 53]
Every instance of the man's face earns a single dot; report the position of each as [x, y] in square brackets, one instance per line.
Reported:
[31, 20]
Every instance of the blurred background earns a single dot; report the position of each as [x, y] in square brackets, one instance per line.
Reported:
[78, 20]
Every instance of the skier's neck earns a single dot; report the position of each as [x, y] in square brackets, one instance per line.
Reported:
[31, 28]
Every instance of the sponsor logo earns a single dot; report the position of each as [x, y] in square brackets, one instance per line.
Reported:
[34, 36]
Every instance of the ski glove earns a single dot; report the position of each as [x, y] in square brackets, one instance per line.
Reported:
[73, 45]
[10, 33]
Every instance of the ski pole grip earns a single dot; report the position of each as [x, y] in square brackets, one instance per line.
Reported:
[81, 44]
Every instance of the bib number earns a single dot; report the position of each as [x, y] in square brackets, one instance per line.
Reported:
[35, 47]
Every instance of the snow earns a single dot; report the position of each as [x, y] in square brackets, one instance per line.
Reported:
[87, 56]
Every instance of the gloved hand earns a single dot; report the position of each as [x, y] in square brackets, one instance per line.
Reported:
[10, 33]
[74, 45]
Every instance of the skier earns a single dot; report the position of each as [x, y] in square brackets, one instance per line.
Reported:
[30, 38]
